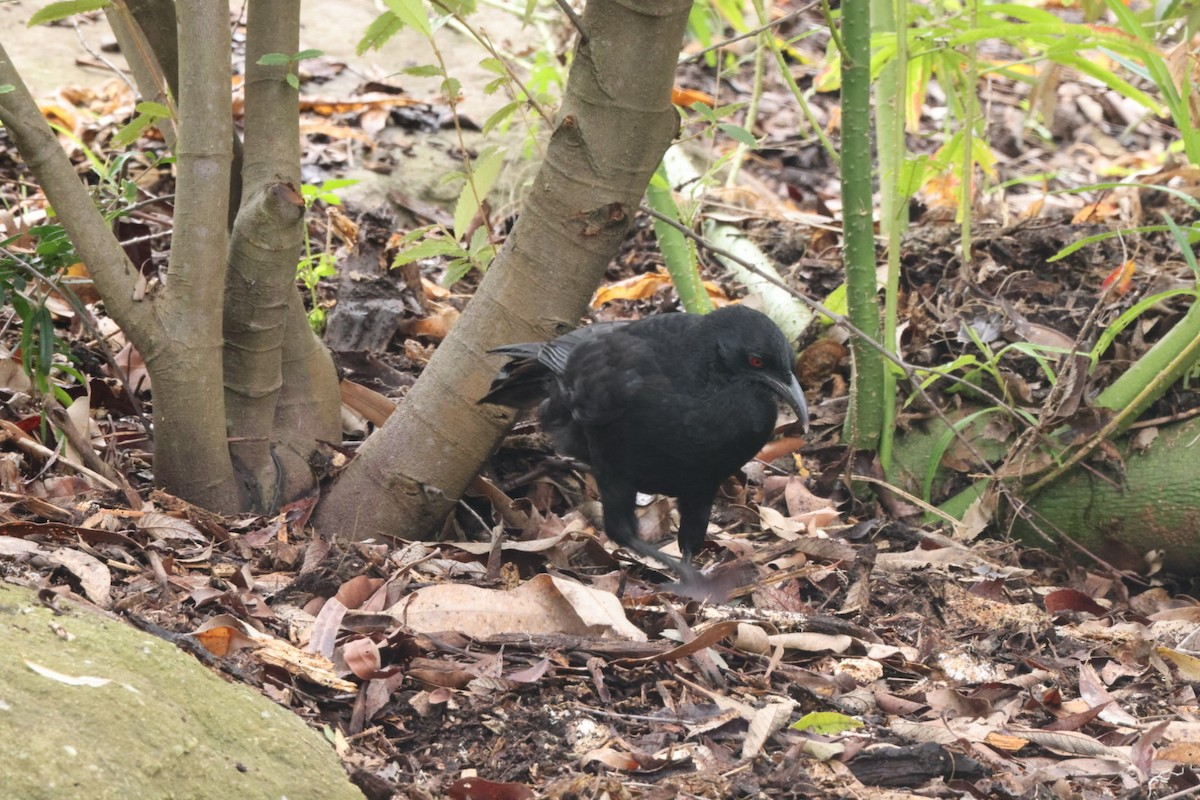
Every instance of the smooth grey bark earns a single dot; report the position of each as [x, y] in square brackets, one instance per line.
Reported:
[616, 122]
[186, 364]
[173, 327]
[268, 343]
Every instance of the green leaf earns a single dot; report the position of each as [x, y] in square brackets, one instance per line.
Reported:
[429, 248]
[274, 60]
[152, 109]
[503, 113]
[460, 7]
[56, 11]
[132, 130]
[484, 173]
[333, 184]
[826, 722]
[292, 81]
[837, 303]
[451, 87]
[494, 65]
[455, 271]
[739, 134]
[5, 88]
[412, 13]
[385, 26]
[424, 71]
[306, 54]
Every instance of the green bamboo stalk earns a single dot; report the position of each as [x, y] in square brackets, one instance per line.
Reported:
[865, 421]
[890, 17]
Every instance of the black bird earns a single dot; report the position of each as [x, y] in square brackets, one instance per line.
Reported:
[670, 404]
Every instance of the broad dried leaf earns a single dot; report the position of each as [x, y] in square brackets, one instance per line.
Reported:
[94, 577]
[163, 526]
[769, 719]
[543, 605]
[1187, 664]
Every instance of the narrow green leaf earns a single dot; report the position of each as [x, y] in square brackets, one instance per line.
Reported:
[152, 109]
[484, 172]
[424, 71]
[5, 88]
[306, 54]
[826, 722]
[383, 28]
[333, 184]
[494, 65]
[274, 59]
[503, 113]
[56, 11]
[678, 252]
[738, 134]
[428, 248]
[412, 13]
[455, 271]
[132, 130]
[292, 81]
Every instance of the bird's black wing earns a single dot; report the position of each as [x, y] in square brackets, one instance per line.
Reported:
[555, 353]
[524, 381]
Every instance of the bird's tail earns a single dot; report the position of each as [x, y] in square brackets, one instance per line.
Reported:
[522, 382]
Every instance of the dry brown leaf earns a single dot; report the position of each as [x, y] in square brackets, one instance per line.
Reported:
[165, 527]
[1070, 743]
[94, 577]
[766, 722]
[1009, 744]
[1092, 690]
[1187, 664]
[544, 605]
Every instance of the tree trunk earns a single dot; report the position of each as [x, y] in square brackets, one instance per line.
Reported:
[280, 404]
[616, 122]
[268, 342]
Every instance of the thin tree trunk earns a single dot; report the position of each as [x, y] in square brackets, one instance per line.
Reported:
[181, 349]
[616, 122]
[148, 35]
[267, 240]
[185, 366]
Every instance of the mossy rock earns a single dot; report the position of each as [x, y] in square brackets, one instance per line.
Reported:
[93, 708]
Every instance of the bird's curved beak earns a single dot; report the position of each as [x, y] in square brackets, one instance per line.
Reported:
[793, 395]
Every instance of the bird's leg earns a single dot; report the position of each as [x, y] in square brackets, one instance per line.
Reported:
[694, 510]
[620, 523]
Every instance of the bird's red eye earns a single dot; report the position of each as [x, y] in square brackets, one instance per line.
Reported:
[756, 361]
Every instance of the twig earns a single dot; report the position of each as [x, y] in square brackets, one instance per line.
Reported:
[565, 5]
[29, 445]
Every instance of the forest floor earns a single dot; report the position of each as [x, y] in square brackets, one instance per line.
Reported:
[521, 657]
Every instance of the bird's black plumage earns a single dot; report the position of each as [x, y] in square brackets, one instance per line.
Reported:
[671, 404]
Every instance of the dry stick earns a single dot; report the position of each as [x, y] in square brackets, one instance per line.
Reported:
[575, 20]
[27, 443]
[78, 441]
[1019, 506]
[84, 447]
[752, 32]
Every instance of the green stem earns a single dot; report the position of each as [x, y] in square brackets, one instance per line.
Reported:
[865, 421]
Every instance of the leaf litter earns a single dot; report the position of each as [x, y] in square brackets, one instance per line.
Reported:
[859, 654]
